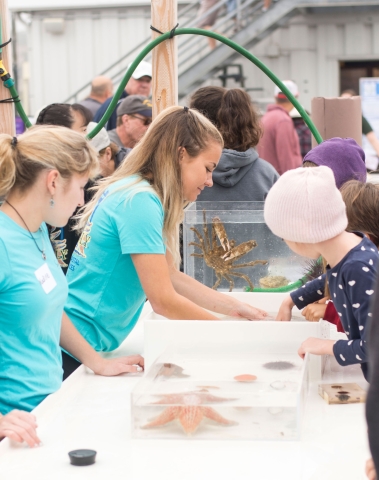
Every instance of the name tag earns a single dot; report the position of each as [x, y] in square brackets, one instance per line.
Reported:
[45, 278]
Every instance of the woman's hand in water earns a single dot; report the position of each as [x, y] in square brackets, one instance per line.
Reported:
[20, 426]
[247, 311]
[109, 367]
[285, 310]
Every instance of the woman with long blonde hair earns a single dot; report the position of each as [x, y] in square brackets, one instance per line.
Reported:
[129, 246]
[42, 179]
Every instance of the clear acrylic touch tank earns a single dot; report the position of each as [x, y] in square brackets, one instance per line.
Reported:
[219, 237]
[230, 395]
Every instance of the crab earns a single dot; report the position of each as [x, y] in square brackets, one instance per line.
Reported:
[189, 410]
[221, 257]
[59, 246]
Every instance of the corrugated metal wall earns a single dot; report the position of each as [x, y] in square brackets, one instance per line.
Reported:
[307, 50]
[92, 40]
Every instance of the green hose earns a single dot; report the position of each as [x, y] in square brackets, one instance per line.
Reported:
[9, 83]
[142, 55]
[19, 107]
[221, 38]
[287, 288]
[249, 56]
[151, 46]
[292, 286]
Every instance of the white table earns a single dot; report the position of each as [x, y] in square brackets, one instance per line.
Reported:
[94, 412]
[373, 178]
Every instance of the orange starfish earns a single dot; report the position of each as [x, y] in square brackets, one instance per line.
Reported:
[189, 416]
[198, 397]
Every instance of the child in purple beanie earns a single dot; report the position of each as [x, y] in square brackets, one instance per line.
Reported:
[347, 161]
[306, 209]
[343, 155]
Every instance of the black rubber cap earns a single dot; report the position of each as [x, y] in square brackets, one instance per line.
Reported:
[82, 458]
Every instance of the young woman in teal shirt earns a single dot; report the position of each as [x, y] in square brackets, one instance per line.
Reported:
[42, 179]
[129, 248]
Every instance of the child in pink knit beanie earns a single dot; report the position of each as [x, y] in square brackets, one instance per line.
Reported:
[305, 208]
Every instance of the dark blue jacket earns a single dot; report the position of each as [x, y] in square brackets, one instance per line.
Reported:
[351, 285]
[113, 118]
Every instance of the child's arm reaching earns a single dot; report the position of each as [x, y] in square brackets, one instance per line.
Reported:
[357, 288]
[309, 293]
[314, 311]
[348, 352]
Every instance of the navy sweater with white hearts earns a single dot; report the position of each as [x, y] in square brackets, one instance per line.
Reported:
[351, 285]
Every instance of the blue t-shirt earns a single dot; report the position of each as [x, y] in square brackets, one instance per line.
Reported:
[30, 319]
[105, 294]
[351, 285]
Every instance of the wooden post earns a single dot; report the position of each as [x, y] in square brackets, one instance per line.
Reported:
[7, 113]
[164, 15]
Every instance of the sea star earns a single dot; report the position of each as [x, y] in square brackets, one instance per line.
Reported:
[189, 416]
[198, 397]
[171, 370]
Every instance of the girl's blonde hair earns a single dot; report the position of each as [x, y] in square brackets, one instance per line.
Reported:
[156, 159]
[43, 148]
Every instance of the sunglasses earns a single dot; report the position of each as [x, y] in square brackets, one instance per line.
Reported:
[145, 120]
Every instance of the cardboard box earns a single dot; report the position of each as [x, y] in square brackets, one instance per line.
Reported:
[337, 117]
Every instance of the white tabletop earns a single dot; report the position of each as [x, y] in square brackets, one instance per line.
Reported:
[94, 412]
[373, 177]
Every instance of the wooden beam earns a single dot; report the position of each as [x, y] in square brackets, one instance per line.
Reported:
[164, 15]
[7, 111]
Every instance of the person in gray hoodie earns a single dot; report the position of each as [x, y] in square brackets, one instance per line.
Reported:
[240, 174]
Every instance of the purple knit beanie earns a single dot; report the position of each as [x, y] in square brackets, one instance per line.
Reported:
[343, 155]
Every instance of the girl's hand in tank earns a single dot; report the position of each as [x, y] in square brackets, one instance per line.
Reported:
[316, 346]
[244, 310]
[20, 426]
[285, 310]
[110, 367]
[370, 469]
[314, 311]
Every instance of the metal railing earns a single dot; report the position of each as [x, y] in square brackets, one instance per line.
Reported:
[191, 48]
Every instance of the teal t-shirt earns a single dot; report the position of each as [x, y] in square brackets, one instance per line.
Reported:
[105, 294]
[30, 318]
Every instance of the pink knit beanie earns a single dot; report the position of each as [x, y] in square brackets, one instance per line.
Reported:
[305, 206]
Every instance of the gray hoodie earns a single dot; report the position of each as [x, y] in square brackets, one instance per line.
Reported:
[240, 177]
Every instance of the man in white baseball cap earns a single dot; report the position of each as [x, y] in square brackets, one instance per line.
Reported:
[280, 143]
[139, 84]
[292, 87]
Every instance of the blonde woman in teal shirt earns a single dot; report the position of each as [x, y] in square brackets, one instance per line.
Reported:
[129, 250]
[42, 179]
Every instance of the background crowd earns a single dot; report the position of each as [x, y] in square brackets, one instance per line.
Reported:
[221, 141]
